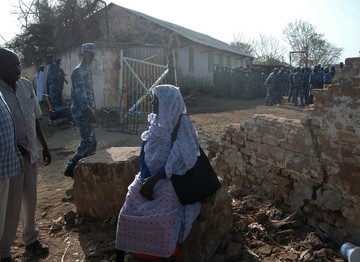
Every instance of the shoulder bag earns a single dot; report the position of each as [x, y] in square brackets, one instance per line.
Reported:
[197, 183]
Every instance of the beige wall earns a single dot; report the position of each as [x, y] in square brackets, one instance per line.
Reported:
[105, 74]
[201, 57]
[313, 165]
[125, 27]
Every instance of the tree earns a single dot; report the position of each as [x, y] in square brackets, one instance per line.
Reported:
[245, 45]
[302, 36]
[265, 49]
[268, 50]
[38, 31]
[52, 26]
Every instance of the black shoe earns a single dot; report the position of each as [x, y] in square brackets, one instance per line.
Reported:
[6, 259]
[37, 248]
[69, 171]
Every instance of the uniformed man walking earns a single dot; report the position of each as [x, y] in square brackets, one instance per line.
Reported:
[83, 108]
[53, 84]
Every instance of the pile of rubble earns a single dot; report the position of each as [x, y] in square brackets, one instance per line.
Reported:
[264, 231]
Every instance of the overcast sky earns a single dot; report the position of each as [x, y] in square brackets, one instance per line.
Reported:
[225, 20]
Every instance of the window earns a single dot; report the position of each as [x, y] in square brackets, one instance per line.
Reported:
[228, 60]
[211, 62]
[191, 59]
[220, 60]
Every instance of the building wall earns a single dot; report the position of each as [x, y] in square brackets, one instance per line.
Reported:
[201, 67]
[105, 69]
[126, 27]
[124, 30]
[312, 164]
[200, 63]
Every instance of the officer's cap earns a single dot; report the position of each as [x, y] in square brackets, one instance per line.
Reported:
[88, 47]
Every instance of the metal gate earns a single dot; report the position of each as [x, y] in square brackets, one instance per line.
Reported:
[141, 69]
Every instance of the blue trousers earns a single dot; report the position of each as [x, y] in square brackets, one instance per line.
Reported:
[88, 142]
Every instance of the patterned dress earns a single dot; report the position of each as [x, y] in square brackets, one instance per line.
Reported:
[155, 227]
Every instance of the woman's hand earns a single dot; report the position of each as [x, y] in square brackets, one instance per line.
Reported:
[147, 188]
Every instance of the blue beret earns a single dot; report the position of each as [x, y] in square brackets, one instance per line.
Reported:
[88, 47]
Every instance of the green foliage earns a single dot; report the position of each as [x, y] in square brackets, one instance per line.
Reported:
[52, 27]
[37, 35]
[302, 36]
[247, 47]
[265, 49]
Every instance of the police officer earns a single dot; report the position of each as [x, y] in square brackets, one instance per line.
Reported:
[53, 84]
[316, 82]
[298, 87]
[291, 90]
[327, 76]
[271, 83]
[83, 108]
[306, 83]
[62, 78]
[332, 71]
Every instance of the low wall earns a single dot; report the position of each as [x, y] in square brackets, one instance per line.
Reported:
[312, 164]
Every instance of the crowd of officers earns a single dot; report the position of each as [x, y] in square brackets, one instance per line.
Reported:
[240, 82]
[255, 82]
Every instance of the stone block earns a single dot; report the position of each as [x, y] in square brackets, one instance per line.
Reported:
[213, 223]
[101, 181]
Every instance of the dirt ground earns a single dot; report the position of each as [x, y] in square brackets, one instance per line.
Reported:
[91, 240]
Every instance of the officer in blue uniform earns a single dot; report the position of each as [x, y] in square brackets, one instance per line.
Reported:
[316, 82]
[271, 84]
[83, 108]
[327, 76]
[53, 84]
[306, 84]
[298, 81]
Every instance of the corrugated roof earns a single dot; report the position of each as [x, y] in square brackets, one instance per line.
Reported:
[193, 35]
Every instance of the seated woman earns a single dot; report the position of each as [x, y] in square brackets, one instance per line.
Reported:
[152, 220]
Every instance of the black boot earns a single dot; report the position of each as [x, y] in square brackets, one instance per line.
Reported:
[69, 171]
[120, 256]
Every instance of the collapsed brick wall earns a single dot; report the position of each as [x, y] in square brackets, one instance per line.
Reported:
[312, 164]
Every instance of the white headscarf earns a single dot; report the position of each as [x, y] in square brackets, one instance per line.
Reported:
[158, 151]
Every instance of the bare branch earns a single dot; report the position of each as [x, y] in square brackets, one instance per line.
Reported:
[302, 36]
